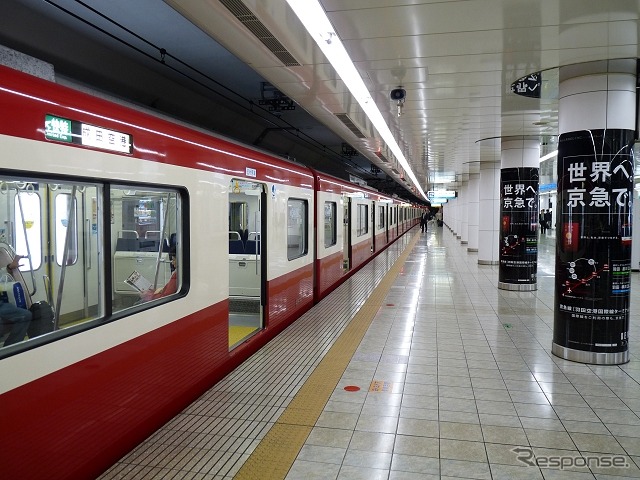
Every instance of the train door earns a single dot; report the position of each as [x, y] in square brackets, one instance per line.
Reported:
[247, 259]
[346, 234]
[69, 251]
[386, 222]
[375, 219]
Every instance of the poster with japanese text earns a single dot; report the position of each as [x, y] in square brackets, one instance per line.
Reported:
[593, 251]
[518, 225]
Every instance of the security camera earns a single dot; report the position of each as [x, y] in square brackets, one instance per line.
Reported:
[398, 94]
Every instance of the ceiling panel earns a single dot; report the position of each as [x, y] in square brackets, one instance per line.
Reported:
[455, 58]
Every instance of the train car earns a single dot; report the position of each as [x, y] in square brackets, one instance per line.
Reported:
[354, 223]
[157, 258]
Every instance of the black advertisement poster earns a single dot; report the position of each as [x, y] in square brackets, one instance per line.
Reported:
[593, 248]
[518, 225]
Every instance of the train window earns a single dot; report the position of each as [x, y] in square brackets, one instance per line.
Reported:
[66, 229]
[362, 221]
[28, 231]
[60, 275]
[297, 221]
[330, 221]
[381, 217]
[144, 244]
[238, 216]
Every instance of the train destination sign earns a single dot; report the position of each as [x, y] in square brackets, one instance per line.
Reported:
[71, 131]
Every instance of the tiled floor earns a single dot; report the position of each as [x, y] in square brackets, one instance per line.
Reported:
[456, 380]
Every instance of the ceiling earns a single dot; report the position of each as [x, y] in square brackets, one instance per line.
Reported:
[456, 59]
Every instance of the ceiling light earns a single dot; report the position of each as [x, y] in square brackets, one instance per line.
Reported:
[315, 20]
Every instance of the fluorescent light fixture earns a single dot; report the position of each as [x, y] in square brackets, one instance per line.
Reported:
[315, 20]
[549, 155]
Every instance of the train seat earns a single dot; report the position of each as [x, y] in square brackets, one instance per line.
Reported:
[252, 247]
[127, 244]
[236, 244]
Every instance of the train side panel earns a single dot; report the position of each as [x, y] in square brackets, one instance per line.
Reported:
[76, 400]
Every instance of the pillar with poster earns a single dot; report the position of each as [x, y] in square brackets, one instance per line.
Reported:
[593, 249]
[518, 229]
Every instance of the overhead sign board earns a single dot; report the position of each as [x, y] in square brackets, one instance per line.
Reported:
[528, 86]
[441, 194]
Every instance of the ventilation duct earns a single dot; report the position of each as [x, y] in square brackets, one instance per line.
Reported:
[262, 33]
[344, 118]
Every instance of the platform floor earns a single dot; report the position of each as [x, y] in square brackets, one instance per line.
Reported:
[416, 368]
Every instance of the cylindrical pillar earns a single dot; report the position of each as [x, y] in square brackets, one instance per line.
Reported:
[489, 198]
[473, 207]
[519, 179]
[464, 210]
[595, 200]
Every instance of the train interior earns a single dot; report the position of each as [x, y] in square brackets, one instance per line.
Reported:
[246, 256]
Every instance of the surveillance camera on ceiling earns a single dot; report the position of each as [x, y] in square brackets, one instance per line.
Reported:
[398, 94]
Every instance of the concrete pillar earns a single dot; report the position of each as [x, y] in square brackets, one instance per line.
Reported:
[489, 202]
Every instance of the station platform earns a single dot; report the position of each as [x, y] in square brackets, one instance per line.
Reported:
[418, 367]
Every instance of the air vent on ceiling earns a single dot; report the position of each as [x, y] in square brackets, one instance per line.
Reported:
[344, 118]
[382, 157]
[255, 26]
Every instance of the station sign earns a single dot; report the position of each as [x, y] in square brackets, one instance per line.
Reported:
[441, 194]
[71, 131]
[528, 86]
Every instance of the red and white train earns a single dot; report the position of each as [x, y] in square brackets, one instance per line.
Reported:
[100, 197]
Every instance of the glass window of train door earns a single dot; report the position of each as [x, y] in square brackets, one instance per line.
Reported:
[73, 259]
[330, 224]
[28, 230]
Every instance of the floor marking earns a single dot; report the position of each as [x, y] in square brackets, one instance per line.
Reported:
[273, 457]
[380, 386]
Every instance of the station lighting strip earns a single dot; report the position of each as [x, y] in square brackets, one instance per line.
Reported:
[315, 20]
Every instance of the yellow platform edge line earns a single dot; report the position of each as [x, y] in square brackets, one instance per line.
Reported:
[273, 457]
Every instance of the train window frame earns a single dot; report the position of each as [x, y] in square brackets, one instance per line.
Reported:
[380, 216]
[95, 219]
[152, 257]
[300, 216]
[330, 224]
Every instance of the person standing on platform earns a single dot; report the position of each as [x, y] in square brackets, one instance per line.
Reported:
[423, 221]
[543, 222]
[547, 220]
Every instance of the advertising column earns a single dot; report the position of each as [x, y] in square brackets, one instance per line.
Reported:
[594, 211]
[519, 215]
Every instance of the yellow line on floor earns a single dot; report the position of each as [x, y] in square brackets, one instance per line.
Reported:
[273, 457]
